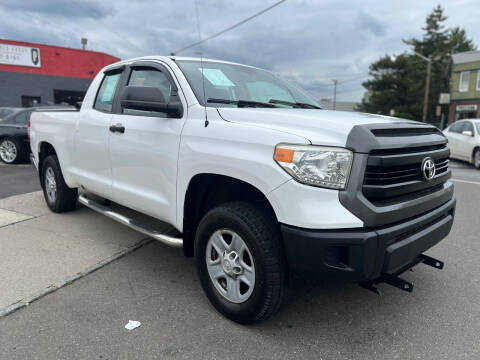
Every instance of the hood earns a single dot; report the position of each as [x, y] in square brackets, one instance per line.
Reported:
[320, 127]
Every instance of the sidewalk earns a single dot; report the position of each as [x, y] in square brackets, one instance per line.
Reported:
[40, 250]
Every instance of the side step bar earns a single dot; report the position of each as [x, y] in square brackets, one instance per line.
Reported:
[135, 225]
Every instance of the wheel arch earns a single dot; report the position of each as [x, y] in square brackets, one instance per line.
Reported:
[206, 191]
[45, 149]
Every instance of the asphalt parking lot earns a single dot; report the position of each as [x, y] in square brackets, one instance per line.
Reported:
[17, 179]
[157, 286]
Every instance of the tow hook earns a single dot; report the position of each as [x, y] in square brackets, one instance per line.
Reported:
[395, 280]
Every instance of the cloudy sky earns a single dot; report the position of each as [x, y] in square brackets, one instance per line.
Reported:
[309, 41]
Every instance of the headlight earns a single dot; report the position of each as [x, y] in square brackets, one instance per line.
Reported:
[316, 165]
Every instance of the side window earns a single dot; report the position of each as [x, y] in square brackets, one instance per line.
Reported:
[457, 127]
[152, 78]
[22, 118]
[468, 126]
[106, 93]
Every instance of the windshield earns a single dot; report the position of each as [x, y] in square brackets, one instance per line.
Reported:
[477, 124]
[228, 85]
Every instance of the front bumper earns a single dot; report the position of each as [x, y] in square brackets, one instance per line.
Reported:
[356, 255]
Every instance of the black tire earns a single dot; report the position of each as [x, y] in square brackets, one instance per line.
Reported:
[476, 154]
[261, 234]
[66, 198]
[18, 150]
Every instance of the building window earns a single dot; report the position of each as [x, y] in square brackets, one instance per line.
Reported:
[464, 80]
[478, 80]
[29, 101]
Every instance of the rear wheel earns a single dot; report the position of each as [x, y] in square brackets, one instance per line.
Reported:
[240, 261]
[476, 158]
[59, 197]
[10, 151]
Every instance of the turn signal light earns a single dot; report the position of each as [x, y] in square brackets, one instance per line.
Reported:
[284, 155]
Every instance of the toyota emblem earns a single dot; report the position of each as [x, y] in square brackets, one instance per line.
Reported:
[428, 169]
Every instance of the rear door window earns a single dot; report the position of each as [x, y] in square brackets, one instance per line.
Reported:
[106, 93]
[22, 118]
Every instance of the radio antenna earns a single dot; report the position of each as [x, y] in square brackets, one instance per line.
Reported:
[201, 62]
[203, 87]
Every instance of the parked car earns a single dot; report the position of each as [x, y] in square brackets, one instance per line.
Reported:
[248, 174]
[464, 140]
[14, 143]
[5, 111]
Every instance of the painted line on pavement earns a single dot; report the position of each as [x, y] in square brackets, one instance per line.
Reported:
[467, 181]
[7, 310]
[15, 165]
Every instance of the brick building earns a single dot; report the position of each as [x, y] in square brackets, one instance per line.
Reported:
[44, 74]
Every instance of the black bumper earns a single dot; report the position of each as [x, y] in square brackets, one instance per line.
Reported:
[357, 255]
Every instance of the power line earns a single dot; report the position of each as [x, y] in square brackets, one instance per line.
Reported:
[229, 28]
[352, 79]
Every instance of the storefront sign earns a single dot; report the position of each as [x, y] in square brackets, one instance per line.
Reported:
[19, 55]
[469, 107]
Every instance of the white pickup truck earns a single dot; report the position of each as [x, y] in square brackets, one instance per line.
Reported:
[248, 174]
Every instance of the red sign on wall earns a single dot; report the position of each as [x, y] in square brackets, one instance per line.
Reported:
[17, 56]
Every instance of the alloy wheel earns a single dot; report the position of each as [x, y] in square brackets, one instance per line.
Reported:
[230, 265]
[50, 185]
[8, 151]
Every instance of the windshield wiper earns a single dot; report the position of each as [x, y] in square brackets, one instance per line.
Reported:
[241, 103]
[294, 104]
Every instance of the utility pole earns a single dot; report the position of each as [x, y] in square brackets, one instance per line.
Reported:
[335, 82]
[427, 89]
[428, 60]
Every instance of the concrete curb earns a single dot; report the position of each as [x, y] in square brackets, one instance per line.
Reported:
[7, 310]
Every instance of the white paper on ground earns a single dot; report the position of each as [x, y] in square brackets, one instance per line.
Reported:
[132, 324]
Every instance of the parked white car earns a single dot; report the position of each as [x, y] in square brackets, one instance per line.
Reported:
[464, 140]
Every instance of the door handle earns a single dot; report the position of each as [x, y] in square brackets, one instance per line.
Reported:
[117, 128]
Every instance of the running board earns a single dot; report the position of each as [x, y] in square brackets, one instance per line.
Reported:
[135, 225]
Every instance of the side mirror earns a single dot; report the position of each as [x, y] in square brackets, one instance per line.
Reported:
[467, 133]
[147, 98]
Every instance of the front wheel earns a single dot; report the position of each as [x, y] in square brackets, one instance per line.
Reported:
[240, 261]
[59, 197]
